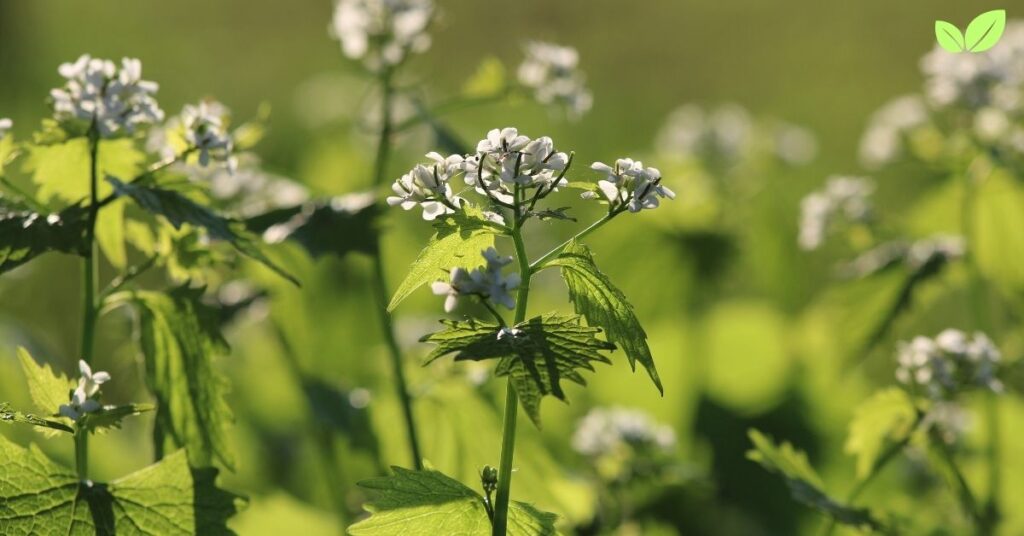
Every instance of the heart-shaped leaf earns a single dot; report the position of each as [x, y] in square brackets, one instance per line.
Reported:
[985, 30]
[949, 36]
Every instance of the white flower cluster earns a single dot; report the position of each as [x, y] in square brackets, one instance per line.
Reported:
[728, 134]
[81, 399]
[889, 128]
[916, 255]
[949, 363]
[552, 72]
[845, 196]
[993, 78]
[205, 130]
[629, 184]
[5, 126]
[382, 33]
[486, 282]
[504, 160]
[98, 93]
[605, 431]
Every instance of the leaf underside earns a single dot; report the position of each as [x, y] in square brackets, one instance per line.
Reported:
[179, 210]
[605, 306]
[25, 235]
[545, 350]
[429, 503]
[40, 497]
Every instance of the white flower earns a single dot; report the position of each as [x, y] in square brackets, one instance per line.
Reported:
[113, 100]
[428, 186]
[487, 282]
[845, 196]
[552, 72]
[81, 399]
[5, 126]
[205, 127]
[606, 431]
[502, 143]
[505, 159]
[382, 33]
[629, 184]
[949, 363]
[888, 129]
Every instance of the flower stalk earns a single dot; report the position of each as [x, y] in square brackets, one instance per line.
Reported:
[90, 283]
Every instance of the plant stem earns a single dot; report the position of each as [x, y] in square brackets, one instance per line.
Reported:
[538, 264]
[508, 433]
[90, 282]
[380, 283]
[963, 489]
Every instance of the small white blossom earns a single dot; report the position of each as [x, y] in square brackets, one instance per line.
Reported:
[629, 184]
[81, 399]
[428, 186]
[844, 196]
[949, 363]
[605, 431]
[488, 282]
[97, 93]
[382, 33]
[888, 128]
[506, 158]
[205, 127]
[5, 126]
[552, 72]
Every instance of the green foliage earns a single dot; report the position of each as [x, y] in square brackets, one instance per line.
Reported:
[997, 240]
[536, 355]
[337, 226]
[458, 237]
[605, 306]
[180, 210]
[180, 337]
[489, 79]
[111, 416]
[804, 483]
[428, 503]
[38, 496]
[7, 415]
[48, 388]
[26, 235]
[888, 415]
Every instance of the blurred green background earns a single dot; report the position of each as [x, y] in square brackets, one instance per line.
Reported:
[734, 323]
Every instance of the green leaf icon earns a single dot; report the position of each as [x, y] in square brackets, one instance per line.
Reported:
[949, 36]
[984, 31]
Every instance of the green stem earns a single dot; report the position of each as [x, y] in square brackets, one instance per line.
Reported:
[538, 264]
[90, 283]
[508, 433]
[380, 283]
[962, 488]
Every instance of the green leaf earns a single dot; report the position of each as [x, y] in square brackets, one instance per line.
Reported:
[949, 36]
[428, 503]
[996, 238]
[179, 336]
[605, 306]
[38, 496]
[336, 226]
[7, 415]
[536, 356]
[804, 483]
[488, 80]
[47, 388]
[26, 235]
[889, 415]
[985, 30]
[109, 417]
[458, 242]
[179, 210]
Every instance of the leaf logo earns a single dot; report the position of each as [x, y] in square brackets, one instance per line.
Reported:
[982, 33]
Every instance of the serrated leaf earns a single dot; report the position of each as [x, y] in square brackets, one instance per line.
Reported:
[428, 503]
[603, 305]
[180, 337]
[949, 36]
[26, 235]
[535, 355]
[458, 242]
[47, 388]
[109, 417]
[985, 30]
[8, 415]
[804, 483]
[888, 415]
[180, 210]
[335, 226]
[38, 496]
